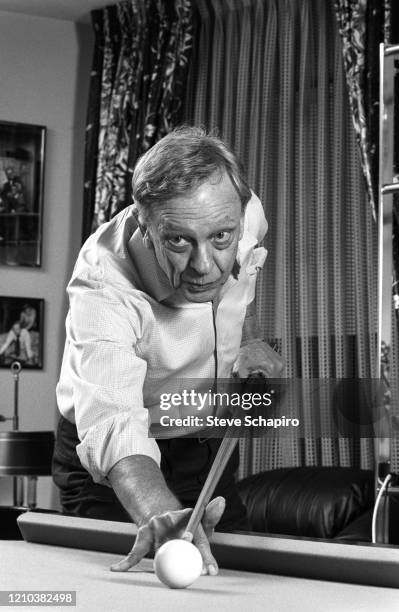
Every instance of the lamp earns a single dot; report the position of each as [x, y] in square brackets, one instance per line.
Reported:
[24, 453]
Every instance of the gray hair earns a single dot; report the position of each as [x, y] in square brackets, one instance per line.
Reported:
[180, 162]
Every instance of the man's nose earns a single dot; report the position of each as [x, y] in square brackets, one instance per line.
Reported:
[201, 260]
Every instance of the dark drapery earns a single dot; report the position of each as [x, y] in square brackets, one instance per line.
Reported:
[141, 58]
[361, 26]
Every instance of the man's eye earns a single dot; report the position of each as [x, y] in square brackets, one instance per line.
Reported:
[177, 241]
[222, 237]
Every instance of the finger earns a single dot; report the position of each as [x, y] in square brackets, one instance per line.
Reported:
[213, 514]
[260, 371]
[142, 546]
[210, 565]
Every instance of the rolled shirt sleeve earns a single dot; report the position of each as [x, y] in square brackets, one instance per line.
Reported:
[102, 381]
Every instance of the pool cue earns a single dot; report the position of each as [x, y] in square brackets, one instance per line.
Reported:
[225, 450]
[224, 453]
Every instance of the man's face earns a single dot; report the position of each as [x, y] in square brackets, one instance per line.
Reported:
[195, 238]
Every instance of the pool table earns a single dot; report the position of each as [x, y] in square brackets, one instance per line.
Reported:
[256, 572]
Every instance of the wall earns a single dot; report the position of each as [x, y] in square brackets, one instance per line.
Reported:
[44, 73]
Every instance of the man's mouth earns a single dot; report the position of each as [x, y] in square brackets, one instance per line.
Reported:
[199, 287]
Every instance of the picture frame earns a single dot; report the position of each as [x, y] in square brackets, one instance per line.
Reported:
[22, 148]
[21, 332]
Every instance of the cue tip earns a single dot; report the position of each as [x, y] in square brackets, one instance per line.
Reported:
[188, 536]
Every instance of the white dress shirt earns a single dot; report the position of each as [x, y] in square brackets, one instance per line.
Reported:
[128, 339]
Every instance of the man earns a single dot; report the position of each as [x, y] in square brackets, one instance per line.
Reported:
[18, 336]
[149, 308]
[12, 192]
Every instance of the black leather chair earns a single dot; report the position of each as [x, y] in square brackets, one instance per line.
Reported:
[315, 502]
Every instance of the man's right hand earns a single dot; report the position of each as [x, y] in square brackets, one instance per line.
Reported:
[170, 525]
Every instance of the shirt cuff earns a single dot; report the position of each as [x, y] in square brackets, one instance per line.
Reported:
[112, 440]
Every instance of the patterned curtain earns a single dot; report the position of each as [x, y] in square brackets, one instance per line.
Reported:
[141, 59]
[270, 78]
[361, 26]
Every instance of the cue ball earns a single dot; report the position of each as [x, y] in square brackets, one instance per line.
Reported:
[178, 563]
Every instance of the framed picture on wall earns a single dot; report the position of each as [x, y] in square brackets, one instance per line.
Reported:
[21, 332]
[21, 193]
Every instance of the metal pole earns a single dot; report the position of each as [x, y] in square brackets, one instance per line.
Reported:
[18, 484]
[15, 369]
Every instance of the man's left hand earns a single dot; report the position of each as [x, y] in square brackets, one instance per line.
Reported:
[258, 357]
[170, 525]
